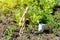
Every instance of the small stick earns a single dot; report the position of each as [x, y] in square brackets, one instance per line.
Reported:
[27, 8]
[23, 19]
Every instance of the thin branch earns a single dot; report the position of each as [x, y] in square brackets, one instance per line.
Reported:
[22, 18]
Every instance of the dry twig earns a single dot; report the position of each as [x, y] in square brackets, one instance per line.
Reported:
[23, 20]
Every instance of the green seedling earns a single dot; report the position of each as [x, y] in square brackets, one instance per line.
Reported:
[10, 32]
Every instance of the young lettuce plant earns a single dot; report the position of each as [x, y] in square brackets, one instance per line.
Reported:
[17, 16]
[48, 5]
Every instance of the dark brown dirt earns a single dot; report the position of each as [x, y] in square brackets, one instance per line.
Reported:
[38, 37]
[7, 20]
